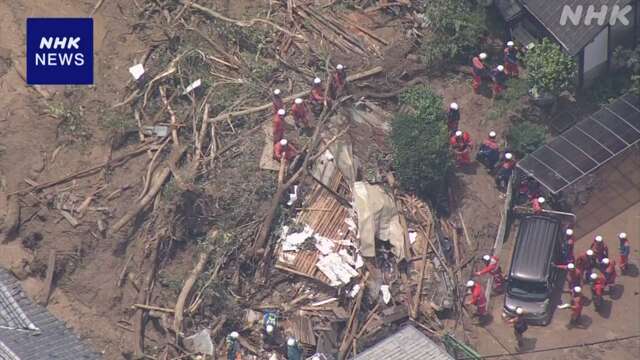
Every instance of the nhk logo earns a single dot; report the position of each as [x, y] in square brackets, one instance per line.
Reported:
[59, 51]
[611, 14]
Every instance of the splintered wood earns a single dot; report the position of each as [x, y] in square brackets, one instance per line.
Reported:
[330, 224]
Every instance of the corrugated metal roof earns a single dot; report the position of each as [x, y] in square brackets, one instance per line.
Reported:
[32, 332]
[587, 145]
[572, 37]
[406, 344]
[509, 9]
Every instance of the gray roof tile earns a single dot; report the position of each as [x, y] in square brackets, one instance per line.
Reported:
[406, 344]
[53, 340]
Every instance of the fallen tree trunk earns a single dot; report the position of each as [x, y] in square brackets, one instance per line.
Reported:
[373, 71]
[184, 293]
[85, 172]
[156, 185]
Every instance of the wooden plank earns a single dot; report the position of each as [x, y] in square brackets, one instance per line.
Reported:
[48, 282]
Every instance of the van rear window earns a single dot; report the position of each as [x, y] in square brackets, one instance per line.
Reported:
[527, 290]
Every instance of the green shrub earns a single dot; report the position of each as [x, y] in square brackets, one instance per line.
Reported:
[525, 137]
[420, 143]
[455, 29]
[549, 69]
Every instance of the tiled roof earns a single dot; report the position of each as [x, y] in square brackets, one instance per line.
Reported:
[572, 37]
[28, 331]
[406, 344]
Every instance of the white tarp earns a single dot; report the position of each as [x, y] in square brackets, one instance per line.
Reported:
[378, 218]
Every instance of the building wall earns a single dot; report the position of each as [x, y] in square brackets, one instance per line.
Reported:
[596, 56]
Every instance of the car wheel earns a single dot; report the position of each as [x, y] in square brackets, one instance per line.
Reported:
[546, 321]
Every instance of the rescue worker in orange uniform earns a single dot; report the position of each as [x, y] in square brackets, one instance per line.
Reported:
[477, 298]
[300, 113]
[608, 268]
[489, 151]
[339, 81]
[479, 71]
[511, 60]
[577, 303]
[461, 145]
[625, 249]
[282, 149]
[278, 125]
[505, 169]
[499, 80]
[569, 244]
[492, 267]
[574, 275]
[586, 262]
[600, 249]
[317, 95]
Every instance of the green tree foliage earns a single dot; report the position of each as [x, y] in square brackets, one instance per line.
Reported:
[455, 29]
[629, 60]
[549, 69]
[420, 142]
[525, 137]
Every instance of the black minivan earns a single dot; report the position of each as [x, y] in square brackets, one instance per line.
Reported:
[532, 277]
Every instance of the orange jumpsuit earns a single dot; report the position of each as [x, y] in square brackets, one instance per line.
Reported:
[300, 115]
[478, 299]
[288, 151]
[278, 128]
[462, 148]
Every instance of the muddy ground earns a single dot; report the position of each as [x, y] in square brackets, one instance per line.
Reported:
[86, 294]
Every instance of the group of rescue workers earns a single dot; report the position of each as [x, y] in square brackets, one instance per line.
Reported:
[498, 76]
[594, 268]
[303, 111]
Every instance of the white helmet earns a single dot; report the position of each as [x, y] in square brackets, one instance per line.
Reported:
[622, 235]
[508, 156]
[492, 134]
[284, 142]
[291, 341]
[589, 252]
[510, 44]
[234, 335]
[541, 200]
[276, 92]
[577, 289]
[269, 329]
[458, 133]
[593, 276]
[500, 68]
[486, 258]
[519, 310]
[298, 101]
[569, 232]
[454, 106]
[317, 81]
[281, 112]
[598, 238]
[570, 266]
[482, 56]
[339, 67]
[605, 261]
[470, 283]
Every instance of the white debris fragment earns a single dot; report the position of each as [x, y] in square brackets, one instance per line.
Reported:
[338, 272]
[346, 257]
[359, 261]
[136, 71]
[324, 245]
[351, 224]
[386, 294]
[412, 236]
[324, 302]
[354, 291]
[291, 242]
[293, 196]
[194, 85]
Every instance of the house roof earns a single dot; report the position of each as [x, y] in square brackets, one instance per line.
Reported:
[29, 331]
[509, 9]
[406, 344]
[587, 145]
[572, 37]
